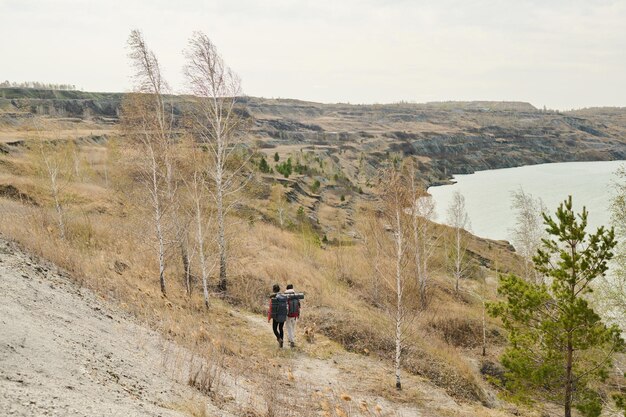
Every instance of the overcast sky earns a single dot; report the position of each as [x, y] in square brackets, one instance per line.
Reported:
[559, 53]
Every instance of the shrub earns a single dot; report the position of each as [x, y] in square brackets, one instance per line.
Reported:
[316, 186]
[285, 168]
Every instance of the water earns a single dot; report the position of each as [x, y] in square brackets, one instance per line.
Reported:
[488, 193]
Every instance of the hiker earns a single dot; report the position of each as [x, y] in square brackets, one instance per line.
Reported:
[293, 313]
[277, 313]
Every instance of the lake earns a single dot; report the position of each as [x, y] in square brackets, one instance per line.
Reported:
[488, 193]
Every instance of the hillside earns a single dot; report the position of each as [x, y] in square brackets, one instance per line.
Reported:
[448, 137]
[313, 226]
[342, 146]
[67, 351]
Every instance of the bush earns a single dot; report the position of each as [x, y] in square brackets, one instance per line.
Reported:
[316, 186]
[285, 168]
[300, 169]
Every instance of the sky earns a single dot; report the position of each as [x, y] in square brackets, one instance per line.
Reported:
[559, 53]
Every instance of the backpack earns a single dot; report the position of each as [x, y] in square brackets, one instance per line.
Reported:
[279, 308]
[294, 307]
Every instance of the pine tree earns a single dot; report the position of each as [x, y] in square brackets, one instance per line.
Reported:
[276, 157]
[263, 166]
[559, 347]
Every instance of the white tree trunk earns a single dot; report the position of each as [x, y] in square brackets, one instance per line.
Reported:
[419, 277]
[221, 239]
[158, 218]
[53, 173]
[203, 267]
[399, 312]
[159, 232]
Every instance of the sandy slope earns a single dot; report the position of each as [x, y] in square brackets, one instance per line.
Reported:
[63, 352]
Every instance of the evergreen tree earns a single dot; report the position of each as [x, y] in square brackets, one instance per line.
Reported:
[559, 347]
[276, 157]
[263, 166]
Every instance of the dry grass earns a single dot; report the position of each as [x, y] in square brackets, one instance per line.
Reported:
[106, 250]
[97, 241]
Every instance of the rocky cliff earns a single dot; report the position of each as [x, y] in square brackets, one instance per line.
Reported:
[447, 138]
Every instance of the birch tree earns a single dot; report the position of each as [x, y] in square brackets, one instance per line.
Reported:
[373, 235]
[396, 201]
[459, 220]
[618, 218]
[612, 295]
[148, 124]
[218, 125]
[52, 162]
[281, 203]
[422, 214]
[201, 214]
[528, 230]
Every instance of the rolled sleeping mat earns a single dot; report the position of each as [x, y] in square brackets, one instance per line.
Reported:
[298, 295]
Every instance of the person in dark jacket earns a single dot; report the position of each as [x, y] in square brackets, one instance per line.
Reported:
[277, 313]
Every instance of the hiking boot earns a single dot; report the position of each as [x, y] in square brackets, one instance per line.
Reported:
[292, 344]
[280, 343]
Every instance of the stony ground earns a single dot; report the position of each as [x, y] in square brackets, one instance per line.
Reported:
[63, 352]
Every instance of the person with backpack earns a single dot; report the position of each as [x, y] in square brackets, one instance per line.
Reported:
[293, 313]
[277, 313]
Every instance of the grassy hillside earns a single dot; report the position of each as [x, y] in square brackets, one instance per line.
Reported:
[107, 248]
[310, 229]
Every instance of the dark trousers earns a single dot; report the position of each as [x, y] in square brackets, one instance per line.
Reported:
[278, 329]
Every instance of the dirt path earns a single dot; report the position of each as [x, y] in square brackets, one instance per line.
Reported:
[64, 352]
[325, 369]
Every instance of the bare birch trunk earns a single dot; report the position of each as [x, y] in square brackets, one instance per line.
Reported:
[221, 240]
[203, 267]
[424, 266]
[158, 222]
[52, 171]
[399, 314]
[459, 220]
